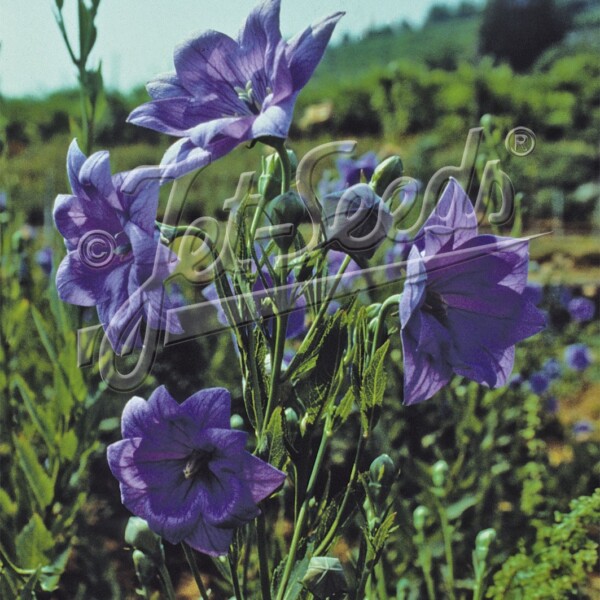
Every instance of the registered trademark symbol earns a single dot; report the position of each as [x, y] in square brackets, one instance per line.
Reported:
[520, 141]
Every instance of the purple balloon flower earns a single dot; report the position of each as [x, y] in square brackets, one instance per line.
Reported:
[552, 369]
[581, 309]
[225, 92]
[114, 260]
[351, 170]
[463, 308]
[578, 357]
[186, 472]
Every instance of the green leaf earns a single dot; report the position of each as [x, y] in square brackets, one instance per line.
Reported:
[41, 326]
[456, 509]
[50, 574]
[8, 507]
[40, 484]
[373, 387]
[33, 543]
[383, 532]
[68, 445]
[40, 420]
[344, 408]
[277, 451]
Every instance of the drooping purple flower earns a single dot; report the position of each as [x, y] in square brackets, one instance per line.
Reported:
[462, 309]
[578, 357]
[356, 221]
[539, 383]
[186, 472]
[398, 253]
[224, 92]
[581, 309]
[351, 274]
[114, 260]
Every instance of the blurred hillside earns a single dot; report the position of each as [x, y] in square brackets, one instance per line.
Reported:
[416, 92]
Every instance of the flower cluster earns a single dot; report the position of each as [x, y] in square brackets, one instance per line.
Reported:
[463, 308]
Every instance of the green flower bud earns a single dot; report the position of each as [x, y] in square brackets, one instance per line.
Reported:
[269, 183]
[439, 473]
[420, 515]
[325, 577]
[382, 474]
[387, 171]
[236, 422]
[141, 537]
[286, 209]
[145, 567]
[485, 539]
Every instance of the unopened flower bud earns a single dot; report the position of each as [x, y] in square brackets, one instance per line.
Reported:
[269, 183]
[286, 210]
[439, 473]
[145, 567]
[139, 535]
[420, 515]
[483, 541]
[382, 474]
[387, 171]
[236, 422]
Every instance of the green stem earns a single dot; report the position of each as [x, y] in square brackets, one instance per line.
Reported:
[447, 535]
[262, 556]
[190, 557]
[234, 578]
[425, 562]
[386, 308]
[166, 581]
[299, 525]
[326, 541]
[380, 577]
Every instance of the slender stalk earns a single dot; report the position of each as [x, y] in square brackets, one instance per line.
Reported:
[235, 580]
[191, 558]
[330, 535]
[447, 535]
[299, 525]
[262, 557]
[167, 583]
[386, 308]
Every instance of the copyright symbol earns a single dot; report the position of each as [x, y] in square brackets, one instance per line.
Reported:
[96, 248]
[520, 141]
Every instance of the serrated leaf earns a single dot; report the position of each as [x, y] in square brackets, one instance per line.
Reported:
[33, 543]
[40, 483]
[373, 386]
[277, 451]
[344, 408]
[383, 532]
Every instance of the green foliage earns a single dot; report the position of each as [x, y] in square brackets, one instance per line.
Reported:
[560, 560]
